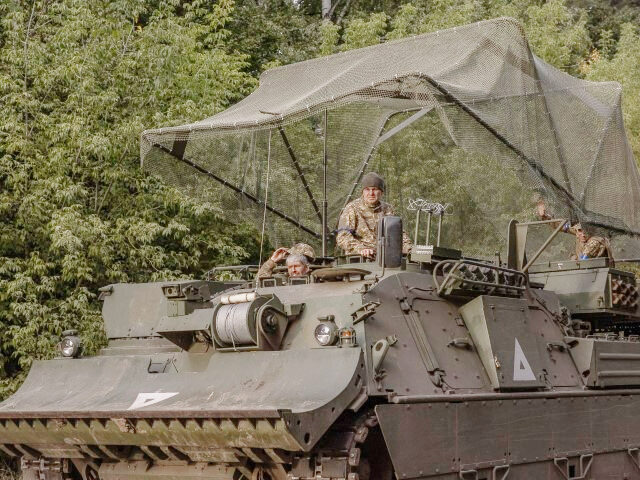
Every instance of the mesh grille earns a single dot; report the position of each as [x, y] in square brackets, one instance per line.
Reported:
[467, 116]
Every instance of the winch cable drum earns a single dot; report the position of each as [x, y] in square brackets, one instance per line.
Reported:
[248, 321]
[235, 325]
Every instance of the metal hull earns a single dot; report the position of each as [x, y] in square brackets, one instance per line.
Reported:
[253, 406]
[515, 437]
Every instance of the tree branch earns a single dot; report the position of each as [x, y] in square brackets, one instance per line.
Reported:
[126, 150]
[343, 12]
[333, 8]
[26, 67]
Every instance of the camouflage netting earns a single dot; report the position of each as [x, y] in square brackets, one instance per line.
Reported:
[467, 116]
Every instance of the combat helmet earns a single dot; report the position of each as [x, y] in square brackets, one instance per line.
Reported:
[303, 249]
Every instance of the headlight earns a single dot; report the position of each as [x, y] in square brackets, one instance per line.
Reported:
[71, 344]
[325, 333]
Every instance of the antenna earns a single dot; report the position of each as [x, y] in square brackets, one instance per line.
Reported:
[324, 188]
[432, 208]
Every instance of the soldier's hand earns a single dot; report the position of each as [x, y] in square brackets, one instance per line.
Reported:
[367, 252]
[541, 209]
[279, 255]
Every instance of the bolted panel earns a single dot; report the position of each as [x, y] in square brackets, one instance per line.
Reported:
[505, 337]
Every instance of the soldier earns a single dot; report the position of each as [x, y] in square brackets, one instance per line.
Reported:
[358, 226]
[298, 258]
[587, 246]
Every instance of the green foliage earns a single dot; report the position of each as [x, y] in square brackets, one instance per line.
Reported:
[79, 82]
[606, 43]
[329, 35]
[623, 67]
[268, 30]
[364, 32]
[405, 23]
[556, 35]
[607, 16]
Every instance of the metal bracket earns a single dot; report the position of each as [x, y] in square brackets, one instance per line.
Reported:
[560, 346]
[468, 474]
[499, 472]
[45, 468]
[159, 365]
[634, 453]
[562, 464]
[503, 470]
[364, 312]
[462, 342]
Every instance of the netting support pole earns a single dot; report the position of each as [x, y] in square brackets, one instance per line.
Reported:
[296, 164]
[382, 138]
[566, 193]
[231, 186]
[364, 165]
[401, 126]
[415, 235]
[535, 256]
[324, 186]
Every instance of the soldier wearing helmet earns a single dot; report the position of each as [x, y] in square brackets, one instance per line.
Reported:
[298, 258]
[358, 226]
[587, 246]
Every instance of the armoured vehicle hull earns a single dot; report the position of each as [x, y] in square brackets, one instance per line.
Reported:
[461, 378]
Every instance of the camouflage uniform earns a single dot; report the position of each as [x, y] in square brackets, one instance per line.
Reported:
[267, 268]
[594, 247]
[358, 227]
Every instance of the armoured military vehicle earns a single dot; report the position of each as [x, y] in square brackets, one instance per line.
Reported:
[449, 363]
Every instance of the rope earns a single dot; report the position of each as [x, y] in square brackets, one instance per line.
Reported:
[266, 198]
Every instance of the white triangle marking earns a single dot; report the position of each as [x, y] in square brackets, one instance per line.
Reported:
[146, 399]
[521, 369]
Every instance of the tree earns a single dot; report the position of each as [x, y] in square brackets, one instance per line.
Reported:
[79, 82]
[622, 67]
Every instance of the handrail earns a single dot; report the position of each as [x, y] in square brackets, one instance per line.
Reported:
[562, 223]
[242, 269]
[451, 275]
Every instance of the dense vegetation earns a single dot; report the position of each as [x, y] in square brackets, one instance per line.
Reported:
[80, 80]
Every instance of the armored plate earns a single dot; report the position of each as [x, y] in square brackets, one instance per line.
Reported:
[309, 390]
[505, 335]
[432, 439]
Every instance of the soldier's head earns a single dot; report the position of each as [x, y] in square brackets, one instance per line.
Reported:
[372, 188]
[581, 233]
[297, 265]
[300, 256]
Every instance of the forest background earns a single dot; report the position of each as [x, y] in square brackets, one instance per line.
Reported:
[79, 81]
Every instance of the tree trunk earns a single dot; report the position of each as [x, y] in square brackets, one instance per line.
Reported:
[326, 8]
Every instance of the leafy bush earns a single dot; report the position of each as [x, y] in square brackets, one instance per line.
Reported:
[79, 81]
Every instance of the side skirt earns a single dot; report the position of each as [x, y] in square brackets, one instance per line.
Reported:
[543, 438]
